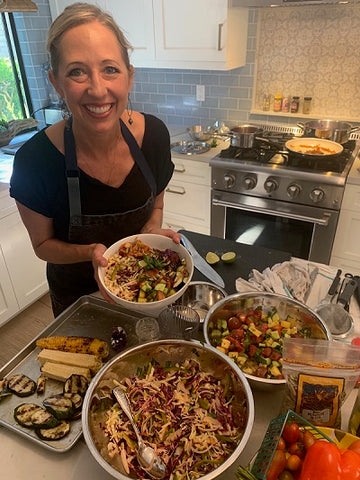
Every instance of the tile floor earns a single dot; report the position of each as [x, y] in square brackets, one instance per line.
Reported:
[20, 330]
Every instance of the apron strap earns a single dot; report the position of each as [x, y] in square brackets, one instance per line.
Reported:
[72, 170]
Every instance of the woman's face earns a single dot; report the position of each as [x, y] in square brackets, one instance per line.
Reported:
[92, 77]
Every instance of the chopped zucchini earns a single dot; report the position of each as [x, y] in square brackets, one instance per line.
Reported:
[55, 433]
[21, 385]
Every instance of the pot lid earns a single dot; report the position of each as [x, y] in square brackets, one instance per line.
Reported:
[190, 148]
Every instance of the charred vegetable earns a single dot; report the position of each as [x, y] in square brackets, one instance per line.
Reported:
[76, 384]
[118, 338]
[23, 414]
[56, 433]
[21, 385]
[60, 406]
[40, 385]
[42, 418]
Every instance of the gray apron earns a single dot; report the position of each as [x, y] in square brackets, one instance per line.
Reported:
[68, 282]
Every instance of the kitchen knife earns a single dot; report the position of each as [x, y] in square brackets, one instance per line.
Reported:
[201, 264]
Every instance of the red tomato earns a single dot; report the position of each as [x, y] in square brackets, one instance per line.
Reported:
[252, 350]
[290, 432]
[233, 323]
[293, 463]
[355, 446]
[238, 333]
[355, 341]
[308, 439]
[281, 444]
[297, 448]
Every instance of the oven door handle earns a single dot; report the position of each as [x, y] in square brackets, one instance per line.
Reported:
[324, 220]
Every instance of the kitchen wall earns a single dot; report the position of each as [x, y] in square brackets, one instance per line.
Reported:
[170, 93]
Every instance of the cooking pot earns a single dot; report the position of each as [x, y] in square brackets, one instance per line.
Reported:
[243, 136]
[329, 129]
[313, 147]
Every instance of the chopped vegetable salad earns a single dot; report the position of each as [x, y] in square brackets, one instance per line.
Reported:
[254, 339]
[139, 273]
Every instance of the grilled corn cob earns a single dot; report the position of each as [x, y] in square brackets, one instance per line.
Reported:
[58, 371]
[84, 360]
[93, 346]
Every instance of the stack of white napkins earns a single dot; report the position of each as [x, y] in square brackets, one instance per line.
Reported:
[305, 281]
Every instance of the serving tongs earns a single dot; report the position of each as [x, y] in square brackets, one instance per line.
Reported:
[148, 459]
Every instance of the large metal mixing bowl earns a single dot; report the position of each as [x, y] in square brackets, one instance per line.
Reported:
[162, 351]
[242, 302]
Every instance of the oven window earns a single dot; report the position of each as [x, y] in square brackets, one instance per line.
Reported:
[268, 231]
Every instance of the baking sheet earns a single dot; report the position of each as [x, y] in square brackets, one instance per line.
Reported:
[89, 317]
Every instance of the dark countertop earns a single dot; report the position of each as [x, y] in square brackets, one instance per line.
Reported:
[247, 258]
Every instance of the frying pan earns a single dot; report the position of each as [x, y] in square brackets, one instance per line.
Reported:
[315, 147]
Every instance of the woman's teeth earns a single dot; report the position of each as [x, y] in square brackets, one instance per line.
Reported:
[98, 110]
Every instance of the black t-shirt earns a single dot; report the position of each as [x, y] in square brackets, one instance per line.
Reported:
[39, 182]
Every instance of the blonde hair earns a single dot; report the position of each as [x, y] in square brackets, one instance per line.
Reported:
[81, 14]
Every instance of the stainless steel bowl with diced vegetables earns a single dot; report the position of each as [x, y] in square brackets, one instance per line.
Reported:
[250, 328]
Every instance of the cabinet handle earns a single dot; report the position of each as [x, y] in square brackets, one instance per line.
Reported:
[175, 227]
[177, 190]
[179, 168]
[219, 36]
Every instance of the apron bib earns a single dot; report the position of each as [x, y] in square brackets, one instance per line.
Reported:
[69, 282]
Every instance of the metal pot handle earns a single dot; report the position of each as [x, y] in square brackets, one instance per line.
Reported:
[354, 129]
[301, 125]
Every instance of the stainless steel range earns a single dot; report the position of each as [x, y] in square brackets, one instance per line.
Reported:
[271, 197]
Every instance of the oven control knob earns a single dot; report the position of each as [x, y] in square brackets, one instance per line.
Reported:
[271, 185]
[249, 182]
[293, 190]
[229, 180]
[317, 195]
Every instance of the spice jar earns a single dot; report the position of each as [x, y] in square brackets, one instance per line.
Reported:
[306, 105]
[266, 102]
[277, 103]
[294, 106]
[285, 106]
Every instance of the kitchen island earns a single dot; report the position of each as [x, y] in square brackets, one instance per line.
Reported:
[25, 460]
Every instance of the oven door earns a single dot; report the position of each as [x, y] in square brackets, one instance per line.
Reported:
[304, 231]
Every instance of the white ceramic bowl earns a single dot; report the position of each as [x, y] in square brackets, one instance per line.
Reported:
[242, 302]
[127, 363]
[155, 241]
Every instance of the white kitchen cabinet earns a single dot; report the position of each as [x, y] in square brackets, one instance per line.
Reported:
[187, 197]
[346, 249]
[191, 34]
[199, 34]
[22, 274]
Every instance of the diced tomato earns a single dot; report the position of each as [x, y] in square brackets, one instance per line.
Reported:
[238, 333]
[263, 327]
[261, 372]
[275, 356]
[267, 352]
[160, 295]
[235, 344]
[252, 350]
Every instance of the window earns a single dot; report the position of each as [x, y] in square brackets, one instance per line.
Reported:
[15, 101]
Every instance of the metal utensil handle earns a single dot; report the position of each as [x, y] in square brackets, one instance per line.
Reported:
[121, 397]
[335, 283]
[348, 291]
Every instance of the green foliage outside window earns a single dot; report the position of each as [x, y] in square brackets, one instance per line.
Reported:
[10, 108]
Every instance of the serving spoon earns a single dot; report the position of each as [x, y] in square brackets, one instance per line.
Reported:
[148, 459]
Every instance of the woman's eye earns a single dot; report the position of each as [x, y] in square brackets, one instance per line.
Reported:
[76, 72]
[111, 70]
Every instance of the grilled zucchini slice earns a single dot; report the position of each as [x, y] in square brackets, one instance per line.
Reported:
[21, 385]
[23, 414]
[60, 406]
[56, 433]
[42, 418]
[76, 384]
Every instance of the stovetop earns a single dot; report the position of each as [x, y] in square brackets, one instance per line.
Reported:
[263, 153]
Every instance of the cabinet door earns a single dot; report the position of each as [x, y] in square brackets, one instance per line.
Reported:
[8, 303]
[346, 244]
[57, 6]
[197, 34]
[26, 271]
[135, 19]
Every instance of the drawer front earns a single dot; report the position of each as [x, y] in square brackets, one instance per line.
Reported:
[183, 224]
[191, 171]
[351, 200]
[188, 201]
